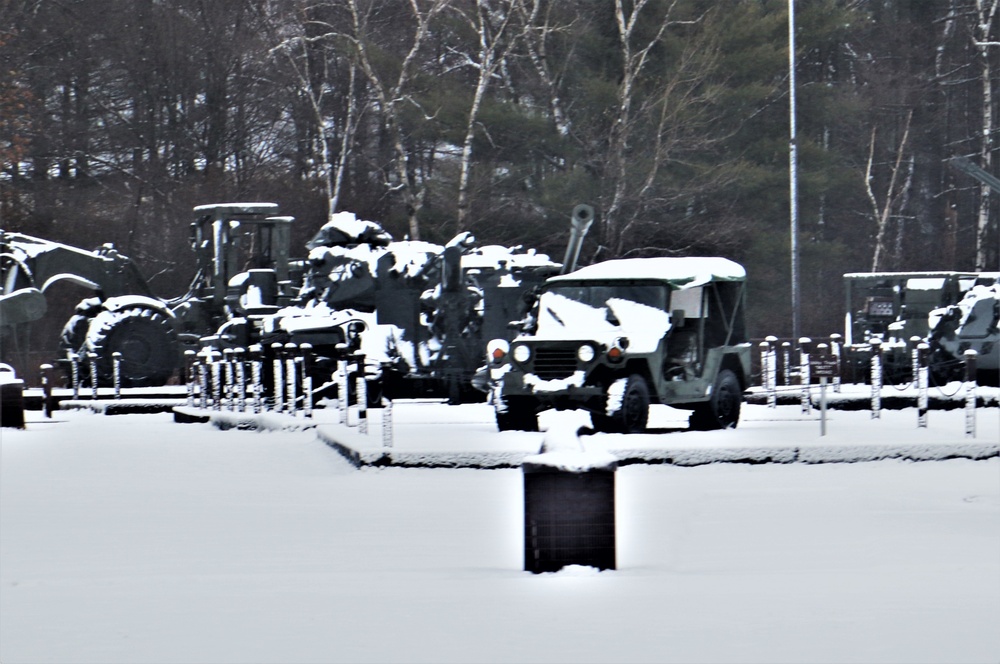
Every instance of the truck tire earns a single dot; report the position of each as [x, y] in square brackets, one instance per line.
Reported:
[722, 410]
[144, 337]
[517, 414]
[632, 415]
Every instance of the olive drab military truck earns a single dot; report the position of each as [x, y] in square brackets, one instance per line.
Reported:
[615, 337]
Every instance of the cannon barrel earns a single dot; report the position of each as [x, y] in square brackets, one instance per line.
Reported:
[583, 217]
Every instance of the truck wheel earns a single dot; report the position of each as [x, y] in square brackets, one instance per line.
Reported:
[144, 337]
[516, 414]
[632, 415]
[722, 410]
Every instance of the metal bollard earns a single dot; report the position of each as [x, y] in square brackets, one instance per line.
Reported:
[74, 363]
[116, 364]
[970, 392]
[239, 359]
[765, 373]
[804, 344]
[914, 359]
[922, 386]
[203, 363]
[342, 392]
[256, 371]
[387, 432]
[189, 375]
[876, 378]
[279, 382]
[305, 354]
[216, 364]
[362, 397]
[92, 359]
[786, 368]
[291, 384]
[228, 378]
[47, 400]
[821, 350]
[836, 343]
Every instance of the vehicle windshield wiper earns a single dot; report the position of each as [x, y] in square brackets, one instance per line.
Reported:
[549, 311]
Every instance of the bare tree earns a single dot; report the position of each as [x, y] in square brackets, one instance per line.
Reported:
[986, 45]
[895, 196]
[539, 27]
[655, 111]
[391, 93]
[303, 42]
[491, 23]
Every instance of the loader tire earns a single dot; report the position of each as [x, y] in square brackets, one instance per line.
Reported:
[146, 340]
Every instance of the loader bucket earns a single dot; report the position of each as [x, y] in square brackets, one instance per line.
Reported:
[22, 306]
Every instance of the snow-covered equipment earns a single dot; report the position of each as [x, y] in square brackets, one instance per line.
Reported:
[242, 267]
[614, 337]
[951, 311]
[419, 314]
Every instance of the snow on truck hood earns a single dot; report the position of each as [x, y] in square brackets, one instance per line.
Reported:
[644, 326]
[683, 272]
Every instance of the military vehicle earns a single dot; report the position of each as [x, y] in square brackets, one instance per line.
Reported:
[614, 337]
[241, 248]
[950, 311]
[419, 314]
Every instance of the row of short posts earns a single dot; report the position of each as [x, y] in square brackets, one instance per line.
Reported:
[234, 380]
[770, 364]
[90, 358]
[919, 358]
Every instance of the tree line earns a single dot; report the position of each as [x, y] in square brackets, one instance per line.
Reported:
[433, 117]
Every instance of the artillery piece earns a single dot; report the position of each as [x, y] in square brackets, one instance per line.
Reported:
[419, 313]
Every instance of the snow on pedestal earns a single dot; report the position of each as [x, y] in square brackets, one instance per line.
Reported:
[569, 504]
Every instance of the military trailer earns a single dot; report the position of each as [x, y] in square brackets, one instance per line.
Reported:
[615, 337]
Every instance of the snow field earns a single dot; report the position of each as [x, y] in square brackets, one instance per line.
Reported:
[134, 539]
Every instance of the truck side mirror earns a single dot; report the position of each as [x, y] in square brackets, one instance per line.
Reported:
[677, 318]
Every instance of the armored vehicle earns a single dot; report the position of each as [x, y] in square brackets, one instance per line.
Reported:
[615, 337]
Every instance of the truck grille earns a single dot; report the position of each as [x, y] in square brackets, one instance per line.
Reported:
[552, 363]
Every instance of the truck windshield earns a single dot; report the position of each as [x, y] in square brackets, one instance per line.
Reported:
[599, 308]
[651, 295]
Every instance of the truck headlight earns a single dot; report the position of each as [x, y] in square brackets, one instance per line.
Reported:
[521, 353]
[585, 353]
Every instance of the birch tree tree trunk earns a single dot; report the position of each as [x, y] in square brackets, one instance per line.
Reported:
[495, 43]
[986, 14]
[390, 96]
[883, 214]
[633, 63]
[538, 28]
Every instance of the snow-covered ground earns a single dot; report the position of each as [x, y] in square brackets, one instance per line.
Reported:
[135, 539]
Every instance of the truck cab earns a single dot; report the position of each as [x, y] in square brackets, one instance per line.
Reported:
[615, 337]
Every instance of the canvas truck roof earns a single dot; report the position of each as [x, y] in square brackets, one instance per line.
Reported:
[679, 272]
